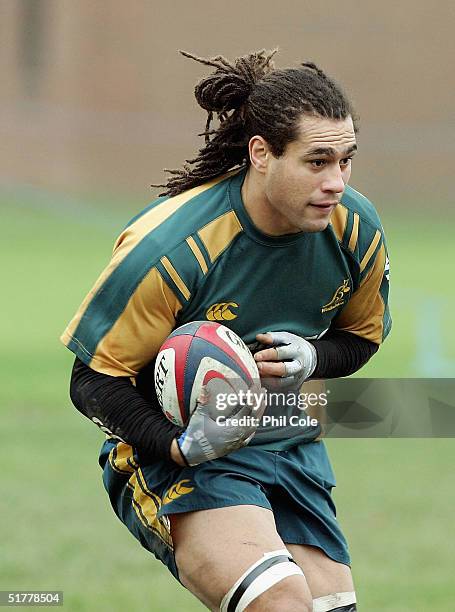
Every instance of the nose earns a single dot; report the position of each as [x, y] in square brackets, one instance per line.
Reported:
[334, 182]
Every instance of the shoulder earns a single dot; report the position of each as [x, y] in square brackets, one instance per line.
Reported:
[357, 203]
[174, 218]
[168, 221]
[181, 236]
[354, 209]
[358, 228]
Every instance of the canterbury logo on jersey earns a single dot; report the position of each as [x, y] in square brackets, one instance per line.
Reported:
[338, 297]
[221, 311]
[177, 490]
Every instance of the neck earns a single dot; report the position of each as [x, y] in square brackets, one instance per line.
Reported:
[262, 214]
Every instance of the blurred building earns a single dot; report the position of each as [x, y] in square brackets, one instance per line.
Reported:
[95, 96]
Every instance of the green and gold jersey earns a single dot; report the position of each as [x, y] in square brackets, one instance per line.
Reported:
[198, 256]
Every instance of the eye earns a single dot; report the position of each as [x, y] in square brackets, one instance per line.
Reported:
[345, 161]
[317, 163]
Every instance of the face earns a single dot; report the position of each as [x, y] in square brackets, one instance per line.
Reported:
[304, 185]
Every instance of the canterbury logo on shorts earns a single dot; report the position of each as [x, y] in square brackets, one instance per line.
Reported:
[221, 311]
[177, 490]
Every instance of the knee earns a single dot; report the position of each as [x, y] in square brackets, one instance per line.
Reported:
[289, 595]
[275, 583]
[189, 567]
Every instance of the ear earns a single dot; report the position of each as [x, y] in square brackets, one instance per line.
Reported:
[259, 151]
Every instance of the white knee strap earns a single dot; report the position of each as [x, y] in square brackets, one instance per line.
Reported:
[261, 576]
[335, 600]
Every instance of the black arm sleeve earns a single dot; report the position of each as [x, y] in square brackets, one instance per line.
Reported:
[119, 407]
[134, 415]
[341, 353]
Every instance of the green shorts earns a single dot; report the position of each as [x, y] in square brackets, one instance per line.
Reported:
[295, 484]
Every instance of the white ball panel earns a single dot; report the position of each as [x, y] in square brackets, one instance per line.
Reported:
[166, 383]
[240, 348]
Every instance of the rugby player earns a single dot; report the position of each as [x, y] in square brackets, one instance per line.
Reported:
[261, 232]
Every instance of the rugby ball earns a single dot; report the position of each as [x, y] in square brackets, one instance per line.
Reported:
[191, 356]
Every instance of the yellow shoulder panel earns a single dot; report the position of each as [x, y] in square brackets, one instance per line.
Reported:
[219, 233]
[371, 249]
[154, 217]
[338, 221]
[354, 233]
[136, 337]
[176, 277]
[197, 253]
[130, 237]
[364, 312]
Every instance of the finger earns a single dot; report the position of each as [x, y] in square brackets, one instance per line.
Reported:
[293, 367]
[271, 368]
[264, 338]
[287, 351]
[279, 337]
[247, 436]
[203, 396]
[248, 433]
[250, 437]
[270, 354]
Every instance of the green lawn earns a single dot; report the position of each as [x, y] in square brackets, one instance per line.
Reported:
[395, 497]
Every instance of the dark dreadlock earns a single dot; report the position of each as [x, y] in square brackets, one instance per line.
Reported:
[250, 97]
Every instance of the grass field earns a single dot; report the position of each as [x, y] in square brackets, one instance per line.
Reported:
[395, 497]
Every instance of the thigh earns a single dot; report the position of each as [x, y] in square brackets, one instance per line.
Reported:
[213, 548]
[323, 574]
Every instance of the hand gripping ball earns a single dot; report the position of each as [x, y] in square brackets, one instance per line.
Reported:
[192, 355]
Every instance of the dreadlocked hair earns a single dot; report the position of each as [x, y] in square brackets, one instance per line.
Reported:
[250, 97]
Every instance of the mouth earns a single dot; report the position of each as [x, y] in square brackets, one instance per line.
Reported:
[324, 206]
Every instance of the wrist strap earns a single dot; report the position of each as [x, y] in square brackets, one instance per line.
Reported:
[313, 361]
[181, 452]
